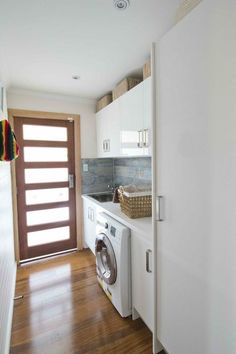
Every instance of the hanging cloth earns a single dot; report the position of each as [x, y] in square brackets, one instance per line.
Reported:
[9, 149]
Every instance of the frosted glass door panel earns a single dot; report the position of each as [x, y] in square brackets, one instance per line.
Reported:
[47, 236]
[44, 132]
[40, 196]
[45, 154]
[43, 175]
[45, 216]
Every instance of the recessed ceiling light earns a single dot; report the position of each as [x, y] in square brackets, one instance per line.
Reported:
[121, 4]
[75, 77]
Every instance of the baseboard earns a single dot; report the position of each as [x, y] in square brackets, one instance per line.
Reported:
[10, 316]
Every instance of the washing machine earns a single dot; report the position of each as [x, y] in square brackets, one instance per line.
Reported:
[113, 262]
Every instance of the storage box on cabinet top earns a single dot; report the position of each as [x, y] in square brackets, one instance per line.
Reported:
[124, 86]
[147, 69]
[103, 102]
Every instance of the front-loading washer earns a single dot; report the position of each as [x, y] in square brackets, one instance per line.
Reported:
[113, 261]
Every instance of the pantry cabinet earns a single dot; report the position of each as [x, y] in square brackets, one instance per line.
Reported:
[142, 278]
[124, 126]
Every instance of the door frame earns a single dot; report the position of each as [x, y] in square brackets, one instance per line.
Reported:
[20, 113]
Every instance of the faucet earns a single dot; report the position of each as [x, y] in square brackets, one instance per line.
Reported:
[110, 188]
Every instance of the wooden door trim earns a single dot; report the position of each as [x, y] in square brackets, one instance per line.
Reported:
[19, 113]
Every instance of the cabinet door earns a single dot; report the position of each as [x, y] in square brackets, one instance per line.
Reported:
[131, 116]
[147, 117]
[108, 131]
[142, 278]
[196, 148]
[101, 133]
[89, 224]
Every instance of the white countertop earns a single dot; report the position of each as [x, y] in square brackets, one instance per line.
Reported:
[143, 226]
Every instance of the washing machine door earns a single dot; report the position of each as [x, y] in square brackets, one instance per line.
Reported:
[106, 260]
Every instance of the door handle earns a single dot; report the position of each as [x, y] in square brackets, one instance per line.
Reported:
[71, 181]
[148, 269]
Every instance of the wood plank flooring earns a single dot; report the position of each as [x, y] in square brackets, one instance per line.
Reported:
[64, 311]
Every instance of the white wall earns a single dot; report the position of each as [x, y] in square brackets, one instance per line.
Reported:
[39, 101]
[7, 256]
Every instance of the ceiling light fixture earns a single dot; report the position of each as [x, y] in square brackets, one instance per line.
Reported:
[121, 4]
[75, 77]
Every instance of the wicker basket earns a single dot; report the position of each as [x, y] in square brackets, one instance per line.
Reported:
[135, 205]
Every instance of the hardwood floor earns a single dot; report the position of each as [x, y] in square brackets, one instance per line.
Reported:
[64, 311]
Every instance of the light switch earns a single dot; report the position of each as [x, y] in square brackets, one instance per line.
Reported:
[85, 167]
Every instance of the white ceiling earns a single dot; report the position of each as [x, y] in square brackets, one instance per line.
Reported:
[43, 43]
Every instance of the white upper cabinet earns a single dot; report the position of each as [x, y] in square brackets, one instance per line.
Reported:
[124, 126]
[147, 116]
[108, 131]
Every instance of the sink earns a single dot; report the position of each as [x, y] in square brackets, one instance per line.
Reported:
[102, 197]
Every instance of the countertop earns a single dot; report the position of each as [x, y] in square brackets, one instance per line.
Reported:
[143, 226]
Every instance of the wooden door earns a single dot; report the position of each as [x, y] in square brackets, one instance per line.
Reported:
[45, 173]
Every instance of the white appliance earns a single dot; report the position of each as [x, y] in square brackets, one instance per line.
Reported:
[196, 174]
[112, 249]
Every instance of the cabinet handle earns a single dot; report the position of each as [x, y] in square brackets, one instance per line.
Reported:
[104, 145]
[140, 139]
[148, 252]
[145, 138]
[92, 215]
[160, 208]
[108, 145]
[89, 213]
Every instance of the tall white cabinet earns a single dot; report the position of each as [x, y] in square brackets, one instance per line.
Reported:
[196, 158]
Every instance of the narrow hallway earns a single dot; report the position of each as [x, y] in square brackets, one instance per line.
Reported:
[64, 311]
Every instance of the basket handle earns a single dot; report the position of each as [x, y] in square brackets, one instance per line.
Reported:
[121, 191]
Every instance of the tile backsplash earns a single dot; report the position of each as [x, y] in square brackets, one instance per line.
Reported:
[97, 174]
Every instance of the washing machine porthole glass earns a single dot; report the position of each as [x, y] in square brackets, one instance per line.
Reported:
[106, 261]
